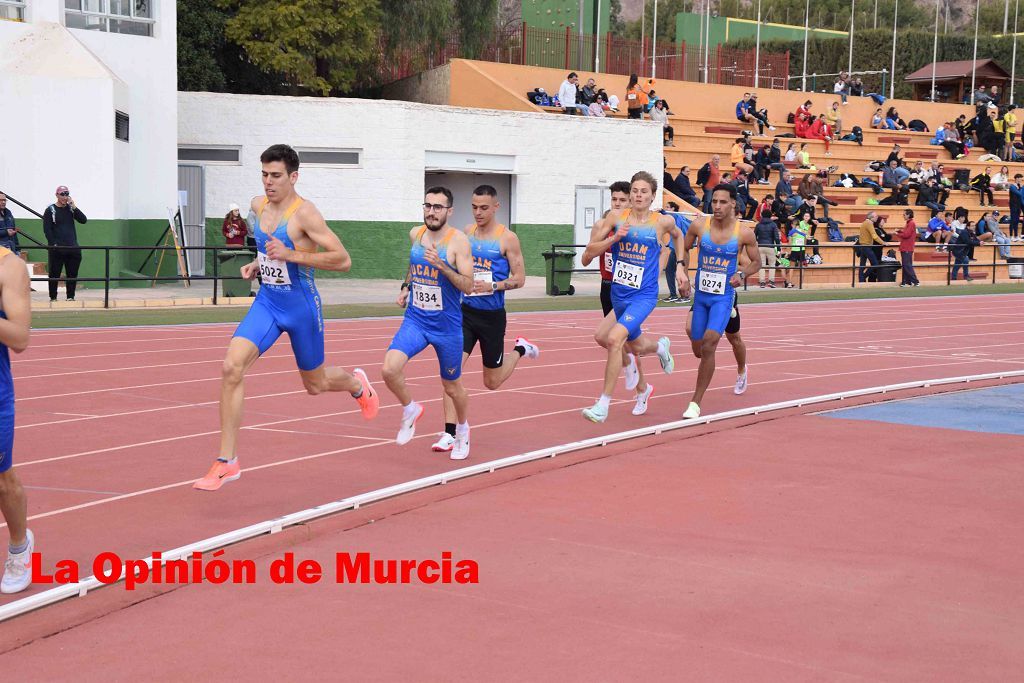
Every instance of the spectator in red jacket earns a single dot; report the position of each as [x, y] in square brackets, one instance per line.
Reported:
[234, 228]
[820, 130]
[802, 119]
[908, 238]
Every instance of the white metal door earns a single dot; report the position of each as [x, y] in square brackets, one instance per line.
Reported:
[192, 202]
[591, 203]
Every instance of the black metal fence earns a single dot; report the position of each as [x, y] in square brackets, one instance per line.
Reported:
[989, 261]
[216, 278]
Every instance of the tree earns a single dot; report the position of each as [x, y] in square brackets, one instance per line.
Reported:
[318, 46]
[477, 20]
[200, 40]
[617, 27]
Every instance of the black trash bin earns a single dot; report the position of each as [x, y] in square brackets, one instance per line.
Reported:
[558, 271]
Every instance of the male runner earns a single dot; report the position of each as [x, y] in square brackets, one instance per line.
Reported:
[440, 272]
[718, 274]
[732, 334]
[15, 316]
[639, 256]
[288, 231]
[630, 366]
[497, 268]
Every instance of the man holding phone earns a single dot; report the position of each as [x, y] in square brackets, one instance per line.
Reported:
[59, 228]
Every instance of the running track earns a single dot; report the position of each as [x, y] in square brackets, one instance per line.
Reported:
[115, 424]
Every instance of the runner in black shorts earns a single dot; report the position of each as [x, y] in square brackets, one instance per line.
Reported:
[630, 364]
[497, 267]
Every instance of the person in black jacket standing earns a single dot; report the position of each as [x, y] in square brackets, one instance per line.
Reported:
[59, 228]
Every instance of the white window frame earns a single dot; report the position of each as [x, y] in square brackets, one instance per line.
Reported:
[204, 162]
[106, 16]
[323, 164]
[16, 4]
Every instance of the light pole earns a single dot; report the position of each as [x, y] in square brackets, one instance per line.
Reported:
[654, 42]
[849, 63]
[807, 28]
[757, 47]
[974, 58]
[892, 71]
[935, 48]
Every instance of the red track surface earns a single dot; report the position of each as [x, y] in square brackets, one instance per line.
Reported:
[717, 554]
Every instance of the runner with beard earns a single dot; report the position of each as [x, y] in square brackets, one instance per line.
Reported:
[440, 272]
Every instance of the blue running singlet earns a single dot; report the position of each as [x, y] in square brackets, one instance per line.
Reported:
[713, 295]
[6, 398]
[433, 314]
[489, 265]
[288, 300]
[635, 271]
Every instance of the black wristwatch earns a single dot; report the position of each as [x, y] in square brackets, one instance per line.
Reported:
[405, 285]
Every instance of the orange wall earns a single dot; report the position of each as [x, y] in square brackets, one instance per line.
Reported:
[695, 100]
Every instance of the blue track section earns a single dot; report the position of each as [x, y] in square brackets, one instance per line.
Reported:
[999, 410]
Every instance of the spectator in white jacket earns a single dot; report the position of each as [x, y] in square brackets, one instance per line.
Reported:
[567, 93]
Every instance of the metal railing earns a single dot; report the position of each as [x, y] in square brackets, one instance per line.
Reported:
[152, 279]
[990, 266]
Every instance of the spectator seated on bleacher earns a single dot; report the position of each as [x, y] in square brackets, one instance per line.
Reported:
[802, 119]
[682, 183]
[586, 96]
[834, 118]
[893, 120]
[659, 114]
[1001, 180]
[599, 105]
[982, 184]
[928, 195]
[939, 231]
[819, 130]
[992, 232]
[803, 158]
[878, 120]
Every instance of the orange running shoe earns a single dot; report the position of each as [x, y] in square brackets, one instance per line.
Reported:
[369, 401]
[219, 474]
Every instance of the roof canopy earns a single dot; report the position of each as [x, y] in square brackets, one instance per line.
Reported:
[985, 69]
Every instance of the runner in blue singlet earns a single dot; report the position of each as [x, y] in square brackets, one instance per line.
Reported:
[497, 268]
[440, 272]
[638, 251]
[15, 318]
[288, 232]
[721, 240]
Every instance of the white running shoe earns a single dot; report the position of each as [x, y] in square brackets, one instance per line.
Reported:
[741, 383]
[692, 412]
[532, 350]
[408, 428]
[596, 413]
[444, 444]
[632, 373]
[461, 449]
[18, 568]
[641, 400]
[668, 363]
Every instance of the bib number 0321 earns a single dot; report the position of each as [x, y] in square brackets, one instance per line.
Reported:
[628, 274]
